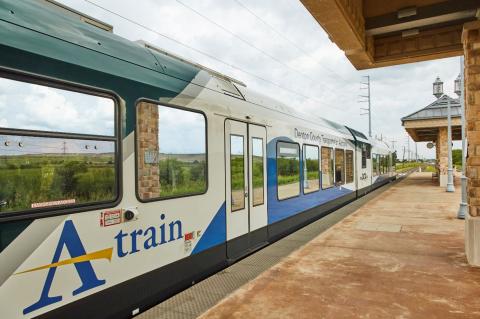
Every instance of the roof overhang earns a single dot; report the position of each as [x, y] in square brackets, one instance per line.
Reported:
[426, 130]
[377, 33]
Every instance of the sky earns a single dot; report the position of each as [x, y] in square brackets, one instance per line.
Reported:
[277, 48]
[39, 107]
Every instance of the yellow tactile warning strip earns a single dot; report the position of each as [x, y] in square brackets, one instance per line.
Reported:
[194, 301]
[346, 272]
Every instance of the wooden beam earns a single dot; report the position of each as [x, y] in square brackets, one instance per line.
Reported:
[440, 122]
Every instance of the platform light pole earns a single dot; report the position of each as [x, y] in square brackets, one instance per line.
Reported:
[438, 92]
[450, 187]
[460, 91]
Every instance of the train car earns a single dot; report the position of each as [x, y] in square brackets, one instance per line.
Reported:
[128, 174]
[383, 167]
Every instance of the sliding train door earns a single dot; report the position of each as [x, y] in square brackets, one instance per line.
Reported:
[245, 187]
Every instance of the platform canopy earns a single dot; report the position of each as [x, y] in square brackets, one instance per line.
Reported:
[424, 125]
[375, 33]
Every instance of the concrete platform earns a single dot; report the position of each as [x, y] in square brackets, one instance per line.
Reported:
[395, 253]
[401, 255]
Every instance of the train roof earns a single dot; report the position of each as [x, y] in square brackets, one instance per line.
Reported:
[68, 30]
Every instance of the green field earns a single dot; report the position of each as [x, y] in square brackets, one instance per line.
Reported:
[288, 171]
[181, 177]
[403, 167]
[28, 179]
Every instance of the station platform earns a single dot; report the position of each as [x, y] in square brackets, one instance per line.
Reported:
[396, 253]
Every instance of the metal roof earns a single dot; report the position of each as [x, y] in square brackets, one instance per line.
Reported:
[437, 109]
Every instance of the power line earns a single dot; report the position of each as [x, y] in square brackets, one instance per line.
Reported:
[241, 39]
[295, 45]
[248, 43]
[211, 56]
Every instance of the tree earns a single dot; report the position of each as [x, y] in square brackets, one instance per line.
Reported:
[457, 157]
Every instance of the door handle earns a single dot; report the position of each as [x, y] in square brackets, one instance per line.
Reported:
[246, 194]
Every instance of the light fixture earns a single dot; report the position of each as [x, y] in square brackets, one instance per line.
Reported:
[438, 88]
[457, 88]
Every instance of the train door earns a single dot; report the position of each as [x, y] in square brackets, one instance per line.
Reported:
[245, 187]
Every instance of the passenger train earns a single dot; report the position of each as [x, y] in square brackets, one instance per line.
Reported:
[128, 174]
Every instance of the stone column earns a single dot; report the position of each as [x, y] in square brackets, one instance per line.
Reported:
[147, 148]
[471, 45]
[442, 155]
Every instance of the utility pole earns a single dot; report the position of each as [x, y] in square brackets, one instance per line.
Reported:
[394, 164]
[368, 109]
[416, 152]
[393, 144]
[408, 147]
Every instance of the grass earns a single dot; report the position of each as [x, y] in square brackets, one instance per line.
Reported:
[181, 177]
[403, 167]
[28, 179]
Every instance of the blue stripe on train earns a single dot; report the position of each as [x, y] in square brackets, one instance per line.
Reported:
[216, 232]
[278, 210]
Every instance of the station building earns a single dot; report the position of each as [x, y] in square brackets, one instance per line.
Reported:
[378, 33]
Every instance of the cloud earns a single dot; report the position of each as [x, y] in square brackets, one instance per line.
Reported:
[36, 107]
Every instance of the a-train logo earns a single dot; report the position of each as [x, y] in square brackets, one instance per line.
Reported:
[79, 258]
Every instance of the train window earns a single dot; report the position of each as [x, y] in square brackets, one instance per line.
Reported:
[339, 167]
[311, 174]
[364, 155]
[28, 106]
[57, 148]
[257, 171]
[237, 172]
[288, 170]
[171, 152]
[349, 166]
[327, 167]
[374, 164]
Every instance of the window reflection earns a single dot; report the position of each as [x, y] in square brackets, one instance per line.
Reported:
[30, 106]
[375, 166]
[311, 169]
[327, 167]
[257, 171]
[172, 157]
[57, 147]
[37, 172]
[237, 171]
[288, 170]
[349, 166]
[339, 167]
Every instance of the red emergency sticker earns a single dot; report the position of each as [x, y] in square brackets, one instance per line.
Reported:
[112, 217]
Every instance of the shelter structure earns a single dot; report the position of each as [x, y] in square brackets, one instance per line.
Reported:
[377, 33]
[429, 124]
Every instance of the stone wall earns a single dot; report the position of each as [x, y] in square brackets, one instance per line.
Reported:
[471, 41]
[442, 150]
[471, 44]
[147, 143]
